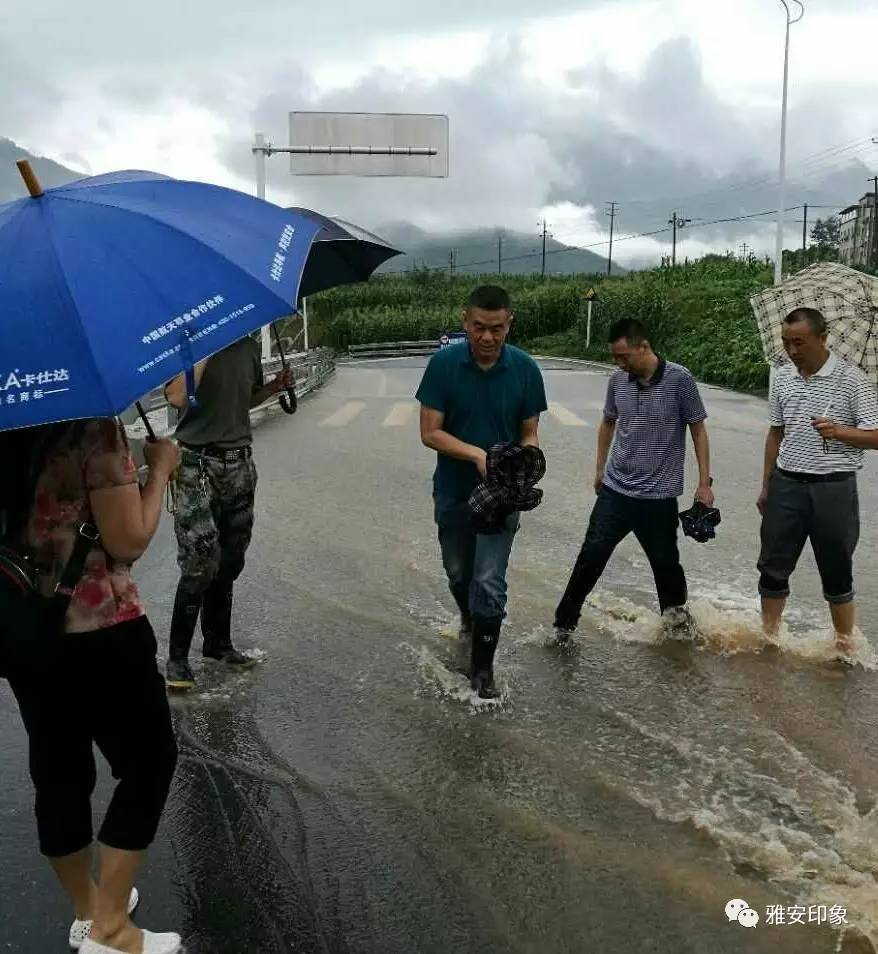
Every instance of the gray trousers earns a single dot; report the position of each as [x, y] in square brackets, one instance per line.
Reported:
[827, 514]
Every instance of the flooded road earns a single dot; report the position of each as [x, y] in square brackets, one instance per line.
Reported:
[349, 795]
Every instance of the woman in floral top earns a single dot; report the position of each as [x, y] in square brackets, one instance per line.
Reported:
[102, 686]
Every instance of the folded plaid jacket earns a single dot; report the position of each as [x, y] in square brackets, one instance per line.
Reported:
[513, 471]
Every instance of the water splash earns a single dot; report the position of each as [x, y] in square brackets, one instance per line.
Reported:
[772, 810]
[727, 626]
[445, 683]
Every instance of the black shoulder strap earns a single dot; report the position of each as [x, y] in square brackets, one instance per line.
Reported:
[87, 537]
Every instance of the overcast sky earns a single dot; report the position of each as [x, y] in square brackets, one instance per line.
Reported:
[555, 107]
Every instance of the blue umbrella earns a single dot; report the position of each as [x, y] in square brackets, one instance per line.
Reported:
[112, 285]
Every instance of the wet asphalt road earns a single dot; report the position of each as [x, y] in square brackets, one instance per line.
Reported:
[348, 795]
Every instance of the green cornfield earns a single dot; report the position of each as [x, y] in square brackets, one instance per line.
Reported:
[697, 314]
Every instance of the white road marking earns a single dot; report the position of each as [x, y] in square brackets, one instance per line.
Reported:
[565, 416]
[344, 415]
[400, 414]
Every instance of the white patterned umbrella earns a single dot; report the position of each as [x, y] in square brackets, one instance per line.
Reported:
[847, 299]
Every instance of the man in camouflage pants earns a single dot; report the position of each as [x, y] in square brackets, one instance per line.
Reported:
[216, 484]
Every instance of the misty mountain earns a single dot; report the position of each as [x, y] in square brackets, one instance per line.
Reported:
[479, 250]
[48, 172]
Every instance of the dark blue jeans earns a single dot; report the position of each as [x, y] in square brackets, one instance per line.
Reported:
[653, 522]
[475, 563]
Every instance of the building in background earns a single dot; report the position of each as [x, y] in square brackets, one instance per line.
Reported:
[857, 240]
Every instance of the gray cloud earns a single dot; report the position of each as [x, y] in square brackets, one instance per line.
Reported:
[658, 142]
[500, 169]
[29, 92]
[108, 33]
[665, 142]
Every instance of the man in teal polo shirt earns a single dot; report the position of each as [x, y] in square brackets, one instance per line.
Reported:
[472, 396]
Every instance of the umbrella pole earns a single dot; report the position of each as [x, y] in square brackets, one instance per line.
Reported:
[280, 347]
[289, 402]
[150, 433]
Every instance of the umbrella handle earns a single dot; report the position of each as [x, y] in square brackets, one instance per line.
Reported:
[289, 402]
[280, 347]
[150, 433]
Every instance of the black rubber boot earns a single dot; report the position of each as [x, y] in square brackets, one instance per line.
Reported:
[464, 648]
[486, 635]
[216, 619]
[216, 625]
[183, 622]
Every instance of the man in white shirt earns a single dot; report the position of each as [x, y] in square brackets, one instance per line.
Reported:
[822, 413]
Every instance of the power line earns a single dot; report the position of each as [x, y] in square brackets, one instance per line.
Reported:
[614, 205]
[637, 235]
[830, 155]
[762, 180]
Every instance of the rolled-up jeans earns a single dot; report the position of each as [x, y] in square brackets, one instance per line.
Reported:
[475, 563]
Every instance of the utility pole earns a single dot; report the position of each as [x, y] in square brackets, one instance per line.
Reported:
[744, 251]
[500, 253]
[678, 222]
[451, 263]
[805, 237]
[545, 233]
[611, 212]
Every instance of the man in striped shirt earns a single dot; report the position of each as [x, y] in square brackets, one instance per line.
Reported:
[650, 405]
[822, 413]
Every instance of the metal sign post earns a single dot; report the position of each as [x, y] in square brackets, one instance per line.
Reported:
[357, 144]
[305, 322]
[591, 296]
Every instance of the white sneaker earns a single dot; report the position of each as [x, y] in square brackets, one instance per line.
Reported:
[152, 944]
[79, 930]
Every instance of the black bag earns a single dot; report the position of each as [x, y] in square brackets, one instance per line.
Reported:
[32, 624]
[700, 522]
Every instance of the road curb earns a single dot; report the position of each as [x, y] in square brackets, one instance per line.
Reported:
[597, 365]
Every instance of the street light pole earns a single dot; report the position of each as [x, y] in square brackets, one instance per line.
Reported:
[261, 151]
[778, 261]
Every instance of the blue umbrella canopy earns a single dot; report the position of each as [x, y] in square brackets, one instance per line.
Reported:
[112, 285]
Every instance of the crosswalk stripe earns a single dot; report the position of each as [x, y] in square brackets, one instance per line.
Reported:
[400, 414]
[344, 415]
[735, 420]
[565, 416]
